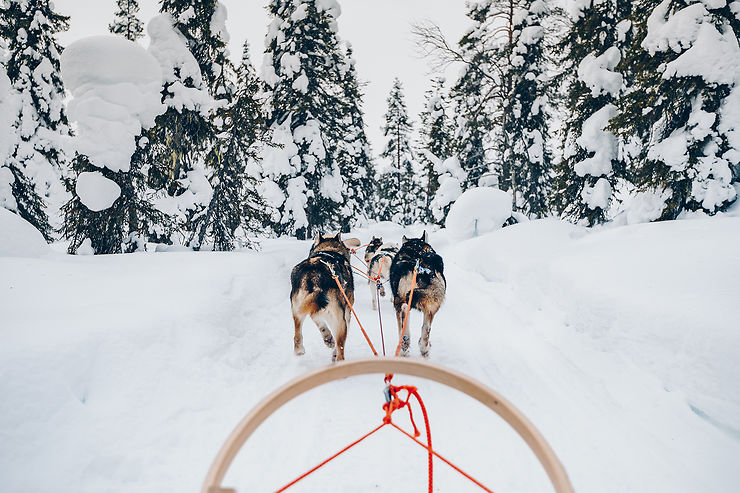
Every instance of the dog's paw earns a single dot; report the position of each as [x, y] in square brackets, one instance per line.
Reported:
[299, 350]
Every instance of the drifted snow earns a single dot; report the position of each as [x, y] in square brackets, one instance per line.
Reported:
[115, 86]
[96, 192]
[18, 238]
[478, 211]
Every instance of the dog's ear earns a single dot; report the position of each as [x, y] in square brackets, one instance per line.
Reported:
[404, 239]
[319, 238]
[338, 237]
[351, 242]
[424, 237]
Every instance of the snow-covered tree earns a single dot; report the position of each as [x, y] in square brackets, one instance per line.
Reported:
[525, 162]
[436, 143]
[235, 206]
[112, 207]
[39, 158]
[125, 22]
[354, 155]
[500, 97]
[679, 116]
[590, 51]
[398, 185]
[302, 75]
[475, 95]
[186, 39]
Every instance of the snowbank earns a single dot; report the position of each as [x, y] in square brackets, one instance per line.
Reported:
[125, 373]
[115, 86]
[18, 238]
[478, 211]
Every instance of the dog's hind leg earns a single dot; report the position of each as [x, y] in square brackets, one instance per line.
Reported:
[326, 335]
[426, 328]
[373, 295]
[298, 348]
[405, 342]
[341, 334]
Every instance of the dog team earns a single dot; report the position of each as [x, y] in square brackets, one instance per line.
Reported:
[322, 287]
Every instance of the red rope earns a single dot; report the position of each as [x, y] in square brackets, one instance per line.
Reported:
[323, 463]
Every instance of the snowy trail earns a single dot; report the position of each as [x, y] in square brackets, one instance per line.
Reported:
[131, 379]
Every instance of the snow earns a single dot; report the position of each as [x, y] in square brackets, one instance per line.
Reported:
[478, 211]
[713, 56]
[115, 86]
[598, 141]
[127, 372]
[179, 67]
[597, 197]
[96, 192]
[10, 105]
[18, 238]
[218, 22]
[597, 72]
[678, 32]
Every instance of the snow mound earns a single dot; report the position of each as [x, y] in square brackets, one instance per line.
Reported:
[96, 191]
[18, 238]
[478, 211]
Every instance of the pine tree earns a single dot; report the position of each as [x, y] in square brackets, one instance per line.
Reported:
[40, 159]
[590, 51]
[125, 22]
[476, 94]
[398, 186]
[236, 204]
[200, 83]
[354, 155]
[525, 161]
[436, 142]
[302, 74]
[675, 116]
[126, 225]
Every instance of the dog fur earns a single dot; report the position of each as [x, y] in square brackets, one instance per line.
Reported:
[380, 264]
[315, 293]
[429, 293]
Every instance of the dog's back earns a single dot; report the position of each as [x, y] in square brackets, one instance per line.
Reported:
[430, 288]
[314, 292]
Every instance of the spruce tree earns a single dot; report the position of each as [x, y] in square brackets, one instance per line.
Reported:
[236, 205]
[676, 116]
[590, 51]
[475, 96]
[40, 159]
[524, 166]
[125, 22]
[436, 142]
[398, 185]
[354, 155]
[126, 225]
[302, 74]
[200, 82]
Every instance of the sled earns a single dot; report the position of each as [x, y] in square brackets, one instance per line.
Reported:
[406, 366]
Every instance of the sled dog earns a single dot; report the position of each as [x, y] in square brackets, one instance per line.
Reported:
[372, 247]
[430, 286]
[314, 292]
[379, 264]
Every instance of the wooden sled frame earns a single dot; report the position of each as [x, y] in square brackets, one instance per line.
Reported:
[405, 366]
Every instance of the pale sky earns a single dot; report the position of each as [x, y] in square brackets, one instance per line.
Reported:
[379, 31]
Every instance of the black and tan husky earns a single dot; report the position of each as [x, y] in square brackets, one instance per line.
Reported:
[379, 257]
[314, 292]
[429, 292]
